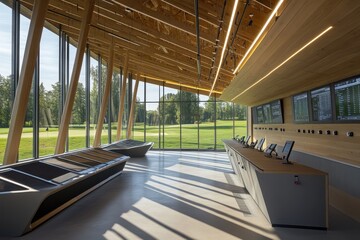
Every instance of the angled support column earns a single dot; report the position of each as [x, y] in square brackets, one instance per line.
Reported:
[105, 98]
[132, 109]
[70, 97]
[122, 98]
[24, 86]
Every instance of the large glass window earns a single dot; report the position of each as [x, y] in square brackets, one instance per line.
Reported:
[49, 92]
[207, 122]
[77, 128]
[169, 109]
[126, 107]
[153, 133]
[189, 120]
[94, 97]
[240, 120]
[105, 137]
[140, 114]
[5, 76]
[115, 102]
[26, 142]
[153, 124]
[224, 123]
[183, 120]
[171, 117]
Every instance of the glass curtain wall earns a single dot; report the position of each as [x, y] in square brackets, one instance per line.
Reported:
[77, 128]
[115, 102]
[207, 122]
[140, 113]
[240, 116]
[153, 133]
[189, 115]
[49, 92]
[127, 100]
[27, 138]
[171, 117]
[6, 78]
[94, 97]
[105, 137]
[224, 122]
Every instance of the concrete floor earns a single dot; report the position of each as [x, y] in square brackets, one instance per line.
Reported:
[177, 195]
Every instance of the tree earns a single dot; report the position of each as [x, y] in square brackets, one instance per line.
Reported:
[152, 117]
[79, 108]
[139, 111]
[115, 96]
[168, 109]
[52, 104]
[240, 112]
[94, 95]
[209, 111]
[5, 101]
[188, 106]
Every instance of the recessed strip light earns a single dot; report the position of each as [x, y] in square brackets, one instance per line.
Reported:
[179, 84]
[225, 43]
[259, 35]
[293, 55]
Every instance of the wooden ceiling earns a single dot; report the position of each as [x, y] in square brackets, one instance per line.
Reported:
[332, 57]
[160, 35]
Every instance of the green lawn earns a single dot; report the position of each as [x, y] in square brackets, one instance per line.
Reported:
[47, 139]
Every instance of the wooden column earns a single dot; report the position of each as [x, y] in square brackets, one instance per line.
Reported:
[70, 97]
[25, 81]
[105, 98]
[132, 109]
[122, 98]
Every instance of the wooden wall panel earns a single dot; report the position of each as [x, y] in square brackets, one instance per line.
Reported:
[342, 148]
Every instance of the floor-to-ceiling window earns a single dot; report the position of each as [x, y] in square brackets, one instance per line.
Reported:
[105, 137]
[77, 127]
[49, 92]
[26, 143]
[207, 122]
[94, 97]
[189, 116]
[240, 116]
[115, 102]
[224, 122]
[153, 133]
[140, 114]
[170, 115]
[6, 80]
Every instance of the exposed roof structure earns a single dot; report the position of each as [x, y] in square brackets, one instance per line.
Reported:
[160, 36]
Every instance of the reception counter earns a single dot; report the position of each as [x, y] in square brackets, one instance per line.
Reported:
[289, 195]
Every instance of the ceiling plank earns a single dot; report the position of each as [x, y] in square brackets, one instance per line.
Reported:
[138, 7]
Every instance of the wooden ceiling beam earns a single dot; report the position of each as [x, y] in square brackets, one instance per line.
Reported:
[147, 31]
[172, 22]
[189, 9]
[70, 97]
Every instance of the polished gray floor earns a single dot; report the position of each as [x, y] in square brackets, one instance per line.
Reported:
[177, 195]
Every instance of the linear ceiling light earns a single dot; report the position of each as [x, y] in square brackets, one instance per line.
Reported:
[225, 43]
[259, 35]
[178, 84]
[293, 55]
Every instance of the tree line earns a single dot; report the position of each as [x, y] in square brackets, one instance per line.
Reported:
[172, 108]
[184, 107]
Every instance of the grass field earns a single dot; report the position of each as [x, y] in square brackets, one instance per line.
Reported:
[169, 137]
